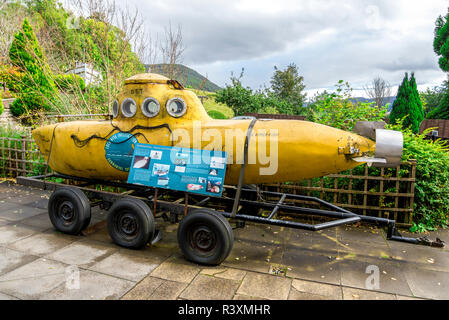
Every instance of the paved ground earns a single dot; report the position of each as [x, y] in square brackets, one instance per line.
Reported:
[37, 262]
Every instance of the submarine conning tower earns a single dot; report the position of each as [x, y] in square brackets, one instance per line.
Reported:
[153, 97]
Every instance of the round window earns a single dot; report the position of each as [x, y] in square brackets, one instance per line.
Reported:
[150, 107]
[115, 108]
[176, 107]
[129, 107]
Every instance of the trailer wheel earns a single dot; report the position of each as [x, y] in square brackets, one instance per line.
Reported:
[205, 237]
[69, 210]
[131, 223]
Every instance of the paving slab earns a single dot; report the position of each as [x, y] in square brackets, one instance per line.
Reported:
[261, 234]
[308, 290]
[364, 233]
[5, 206]
[41, 221]
[6, 297]
[4, 222]
[11, 233]
[354, 273]
[224, 273]
[424, 257]
[311, 265]
[20, 213]
[176, 269]
[246, 298]
[324, 241]
[252, 256]
[265, 286]
[24, 197]
[126, 266]
[152, 288]
[34, 279]
[38, 204]
[82, 253]
[425, 283]
[210, 288]
[42, 243]
[357, 294]
[92, 286]
[364, 250]
[11, 259]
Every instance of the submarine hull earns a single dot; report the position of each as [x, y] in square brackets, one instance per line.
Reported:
[279, 150]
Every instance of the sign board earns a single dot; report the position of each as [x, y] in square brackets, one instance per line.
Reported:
[181, 169]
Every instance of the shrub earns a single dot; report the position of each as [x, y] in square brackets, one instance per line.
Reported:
[37, 90]
[431, 207]
[244, 100]
[339, 111]
[70, 82]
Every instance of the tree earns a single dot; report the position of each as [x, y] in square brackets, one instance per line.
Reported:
[37, 87]
[441, 48]
[288, 85]
[379, 90]
[172, 48]
[244, 100]
[441, 41]
[408, 105]
[433, 97]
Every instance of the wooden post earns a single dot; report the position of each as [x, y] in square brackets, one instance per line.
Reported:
[381, 190]
[24, 155]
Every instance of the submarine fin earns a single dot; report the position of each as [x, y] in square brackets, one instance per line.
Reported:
[370, 160]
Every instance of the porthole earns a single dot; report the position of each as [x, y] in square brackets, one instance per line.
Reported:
[150, 107]
[129, 107]
[176, 107]
[115, 108]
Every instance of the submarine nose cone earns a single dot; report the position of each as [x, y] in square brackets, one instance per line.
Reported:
[43, 136]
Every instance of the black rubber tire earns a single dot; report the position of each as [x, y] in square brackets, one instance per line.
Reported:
[216, 230]
[69, 210]
[131, 223]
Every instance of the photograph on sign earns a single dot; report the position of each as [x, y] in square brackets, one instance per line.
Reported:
[181, 169]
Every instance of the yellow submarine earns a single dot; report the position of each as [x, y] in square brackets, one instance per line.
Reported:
[152, 108]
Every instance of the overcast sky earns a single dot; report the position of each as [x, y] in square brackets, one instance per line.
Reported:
[329, 40]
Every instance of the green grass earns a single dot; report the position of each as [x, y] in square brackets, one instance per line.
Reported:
[214, 109]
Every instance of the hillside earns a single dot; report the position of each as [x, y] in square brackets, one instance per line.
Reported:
[188, 77]
[389, 100]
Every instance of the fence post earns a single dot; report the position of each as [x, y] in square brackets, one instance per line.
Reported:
[24, 149]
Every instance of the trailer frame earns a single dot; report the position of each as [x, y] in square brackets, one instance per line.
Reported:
[246, 204]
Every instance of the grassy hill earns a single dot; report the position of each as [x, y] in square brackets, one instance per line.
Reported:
[214, 109]
[188, 77]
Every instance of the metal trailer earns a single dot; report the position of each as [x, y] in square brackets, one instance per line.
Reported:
[205, 235]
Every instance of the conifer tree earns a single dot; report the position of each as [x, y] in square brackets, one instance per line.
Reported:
[408, 105]
[441, 48]
[38, 91]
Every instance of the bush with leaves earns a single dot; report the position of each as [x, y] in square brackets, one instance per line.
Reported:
[431, 206]
[244, 100]
[70, 82]
[1, 104]
[37, 87]
[339, 111]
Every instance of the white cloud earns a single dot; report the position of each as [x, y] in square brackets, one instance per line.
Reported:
[329, 40]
